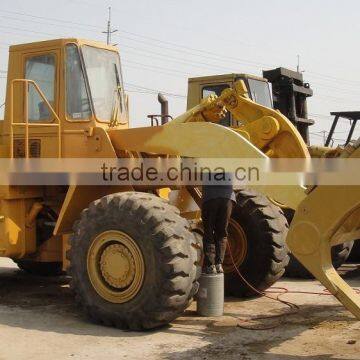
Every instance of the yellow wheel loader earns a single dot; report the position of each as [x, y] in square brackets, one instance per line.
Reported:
[319, 223]
[134, 257]
[289, 91]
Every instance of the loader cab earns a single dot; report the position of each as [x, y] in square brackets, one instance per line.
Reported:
[201, 87]
[56, 91]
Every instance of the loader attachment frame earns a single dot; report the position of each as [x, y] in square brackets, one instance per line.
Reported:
[328, 216]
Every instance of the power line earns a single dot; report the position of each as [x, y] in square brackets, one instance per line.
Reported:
[331, 98]
[123, 37]
[343, 88]
[129, 39]
[167, 71]
[201, 51]
[47, 23]
[332, 78]
[27, 31]
[151, 93]
[184, 52]
[174, 59]
[315, 134]
[49, 18]
[157, 90]
[159, 68]
[218, 56]
[152, 70]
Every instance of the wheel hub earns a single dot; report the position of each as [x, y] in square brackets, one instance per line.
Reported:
[117, 266]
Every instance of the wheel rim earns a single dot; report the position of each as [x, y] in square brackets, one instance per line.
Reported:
[238, 244]
[115, 266]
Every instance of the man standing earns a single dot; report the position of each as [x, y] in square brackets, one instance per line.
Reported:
[217, 204]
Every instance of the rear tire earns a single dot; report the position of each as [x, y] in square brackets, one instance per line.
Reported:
[266, 256]
[168, 250]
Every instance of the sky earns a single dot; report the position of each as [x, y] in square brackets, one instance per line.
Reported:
[163, 42]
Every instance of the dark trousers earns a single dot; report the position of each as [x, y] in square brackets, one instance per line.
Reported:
[215, 215]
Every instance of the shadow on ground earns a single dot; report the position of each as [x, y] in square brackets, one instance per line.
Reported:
[229, 341]
[46, 304]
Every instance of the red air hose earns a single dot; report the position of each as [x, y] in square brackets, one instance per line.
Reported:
[293, 307]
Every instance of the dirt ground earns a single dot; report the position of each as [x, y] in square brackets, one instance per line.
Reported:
[38, 320]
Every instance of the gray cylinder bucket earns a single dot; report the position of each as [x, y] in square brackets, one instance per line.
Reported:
[210, 297]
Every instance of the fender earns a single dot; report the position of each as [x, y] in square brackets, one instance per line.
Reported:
[77, 199]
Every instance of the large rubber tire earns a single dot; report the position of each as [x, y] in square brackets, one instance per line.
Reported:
[265, 228]
[40, 268]
[168, 248]
[339, 254]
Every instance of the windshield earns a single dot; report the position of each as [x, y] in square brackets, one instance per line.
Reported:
[260, 92]
[103, 71]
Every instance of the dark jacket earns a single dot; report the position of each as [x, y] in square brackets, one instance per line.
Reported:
[214, 189]
[210, 192]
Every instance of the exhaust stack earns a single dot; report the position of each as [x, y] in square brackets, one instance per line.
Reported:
[164, 108]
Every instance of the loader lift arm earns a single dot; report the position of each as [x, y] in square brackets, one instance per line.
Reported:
[266, 128]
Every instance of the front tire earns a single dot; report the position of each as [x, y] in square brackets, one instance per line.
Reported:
[257, 233]
[133, 261]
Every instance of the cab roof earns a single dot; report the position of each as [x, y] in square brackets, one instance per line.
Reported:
[225, 77]
[60, 43]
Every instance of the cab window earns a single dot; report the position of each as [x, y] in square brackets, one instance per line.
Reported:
[77, 98]
[41, 69]
[105, 81]
[260, 92]
[217, 90]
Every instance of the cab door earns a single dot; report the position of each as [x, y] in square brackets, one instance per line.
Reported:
[43, 131]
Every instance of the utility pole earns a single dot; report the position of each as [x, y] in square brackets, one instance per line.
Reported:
[298, 64]
[109, 30]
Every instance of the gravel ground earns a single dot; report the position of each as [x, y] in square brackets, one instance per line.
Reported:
[38, 320]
